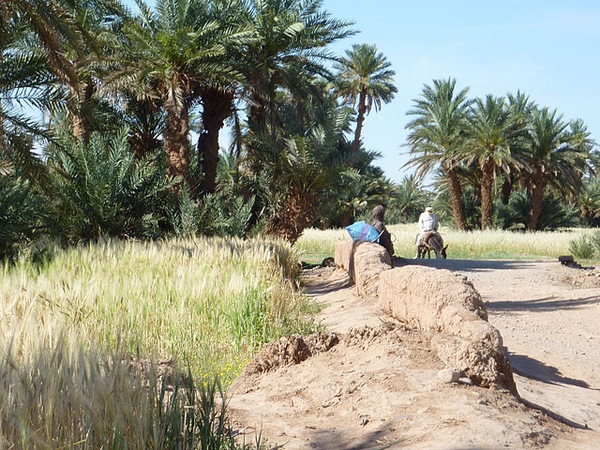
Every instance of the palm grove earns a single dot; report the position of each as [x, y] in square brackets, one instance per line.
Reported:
[112, 151]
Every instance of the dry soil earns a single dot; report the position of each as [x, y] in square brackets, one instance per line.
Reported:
[373, 383]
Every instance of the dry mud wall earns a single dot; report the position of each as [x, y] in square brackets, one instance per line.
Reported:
[363, 261]
[433, 300]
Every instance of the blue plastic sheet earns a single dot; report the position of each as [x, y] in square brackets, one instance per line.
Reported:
[362, 231]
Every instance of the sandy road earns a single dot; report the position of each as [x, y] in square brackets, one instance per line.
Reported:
[549, 317]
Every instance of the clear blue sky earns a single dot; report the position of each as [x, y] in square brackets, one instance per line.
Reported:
[548, 49]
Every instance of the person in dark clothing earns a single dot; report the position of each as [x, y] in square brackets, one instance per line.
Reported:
[385, 238]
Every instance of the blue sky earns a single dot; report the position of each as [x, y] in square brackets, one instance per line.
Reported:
[548, 49]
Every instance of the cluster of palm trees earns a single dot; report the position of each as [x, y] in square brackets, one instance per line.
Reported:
[500, 148]
[132, 105]
[264, 67]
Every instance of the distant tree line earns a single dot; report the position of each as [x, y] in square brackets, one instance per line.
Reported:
[502, 162]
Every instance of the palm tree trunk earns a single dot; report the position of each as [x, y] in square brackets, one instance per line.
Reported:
[257, 125]
[3, 143]
[486, 194]
[296, 215]
[360, 118]
[177, 147]
[79, 122]
[507, 186]
[537, 196]
[456, 200]
[218, 106]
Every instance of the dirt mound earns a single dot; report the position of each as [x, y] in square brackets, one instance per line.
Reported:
[363, 261]
[434, 300]
[290, 350]
[379, 388]
[449, 305]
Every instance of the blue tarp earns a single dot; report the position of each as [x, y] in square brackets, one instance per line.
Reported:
[362, 231]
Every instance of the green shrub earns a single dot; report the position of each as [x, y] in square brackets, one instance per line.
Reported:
[103, 190]
[586, 246]
[20, 215]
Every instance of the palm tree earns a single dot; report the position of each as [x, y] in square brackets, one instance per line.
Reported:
[581, 140]
[102, 189]
[589, 201]
[410, 199]
[25, 79]
[288, 47]
[519, 106]
[221, 89]
[171, 54]
[495, 135]
[559, 158]
[437, 134]
[25, 64]
[69, 34]
[365, 79]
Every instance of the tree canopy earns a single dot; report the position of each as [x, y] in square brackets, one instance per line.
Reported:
[110, 125]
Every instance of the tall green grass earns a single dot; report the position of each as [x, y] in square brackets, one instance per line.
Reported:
[67, 397]
[209, 303]
[69, 324]
[315, 245]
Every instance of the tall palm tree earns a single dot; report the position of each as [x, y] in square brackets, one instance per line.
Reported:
[365, 79]
[495, 135]
[53, 25]
[582, 141]
[170, 53]
[559, 157]
[288, 49]
[289, 41]
[69, 33]
[222, 87]
[437, 134]
[25, 79]
[520, 106]
[32, 40]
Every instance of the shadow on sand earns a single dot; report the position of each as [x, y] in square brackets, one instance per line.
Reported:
[529, 367]
[463, 265]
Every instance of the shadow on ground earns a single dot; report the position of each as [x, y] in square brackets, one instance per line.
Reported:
[464, 265]
[529, 367]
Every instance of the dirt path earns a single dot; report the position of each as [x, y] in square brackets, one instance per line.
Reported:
[379, 387]
[549, 317]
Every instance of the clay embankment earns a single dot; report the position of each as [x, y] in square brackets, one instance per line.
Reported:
[432, 300]
[375, 382]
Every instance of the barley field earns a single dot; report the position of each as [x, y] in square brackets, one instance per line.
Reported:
[80, 329]
[315, 245]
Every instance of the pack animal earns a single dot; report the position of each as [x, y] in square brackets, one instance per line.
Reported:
[432, 240]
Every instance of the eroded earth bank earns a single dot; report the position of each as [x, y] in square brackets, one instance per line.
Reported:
[432, 354]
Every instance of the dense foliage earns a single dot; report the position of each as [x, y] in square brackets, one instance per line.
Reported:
[504, 161]
[120, 94]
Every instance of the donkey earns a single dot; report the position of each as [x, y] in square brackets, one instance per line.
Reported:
[432, 240]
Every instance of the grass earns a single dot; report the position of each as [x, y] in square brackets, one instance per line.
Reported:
[73, 324]
[315, 245]
[68, 397]
[70, 323]
[208, 303]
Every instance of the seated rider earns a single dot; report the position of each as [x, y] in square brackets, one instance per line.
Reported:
[428, 221]
[385, 239]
